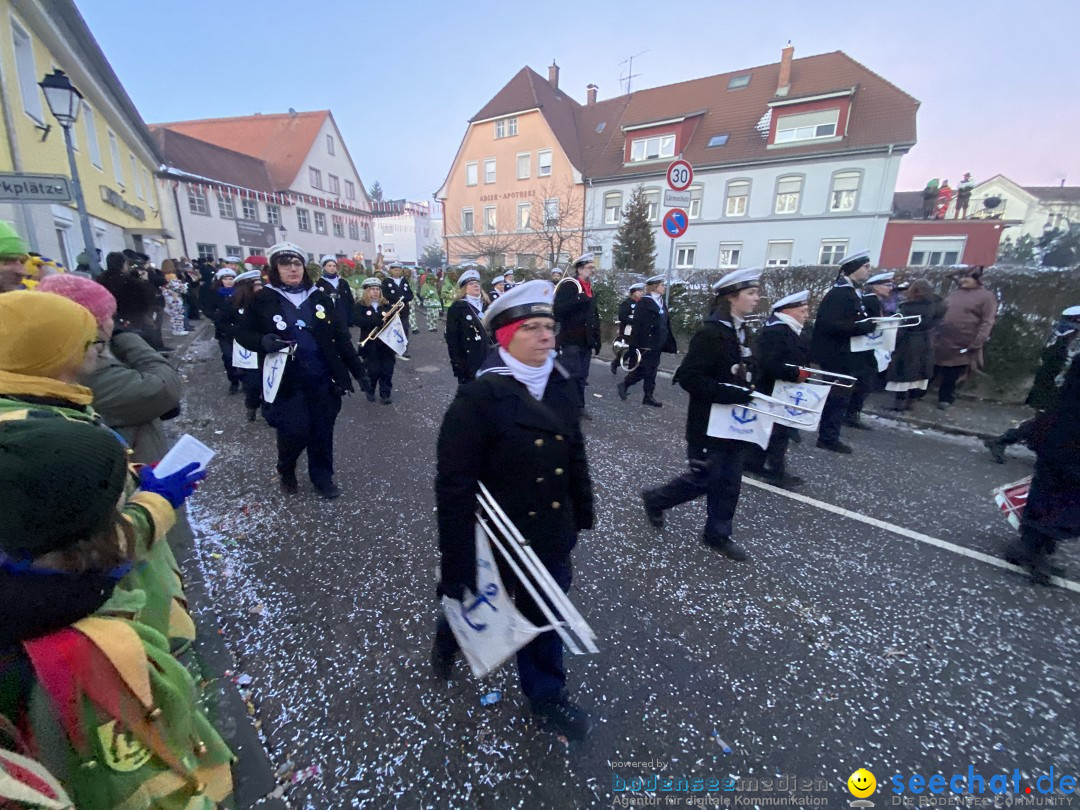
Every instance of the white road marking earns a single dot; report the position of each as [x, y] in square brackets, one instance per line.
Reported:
[908, 533]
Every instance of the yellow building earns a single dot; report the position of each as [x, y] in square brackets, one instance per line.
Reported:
[114, 153]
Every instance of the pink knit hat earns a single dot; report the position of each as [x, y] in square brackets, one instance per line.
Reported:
[83, 291]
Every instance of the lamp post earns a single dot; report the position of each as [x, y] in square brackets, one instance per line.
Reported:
[284, 233]
[64, 103]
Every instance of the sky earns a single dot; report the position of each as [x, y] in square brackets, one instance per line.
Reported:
[997, 81]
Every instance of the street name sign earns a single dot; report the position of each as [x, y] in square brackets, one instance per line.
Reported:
[675, 223]
[680, 175]
[676, 199]
[34, 188]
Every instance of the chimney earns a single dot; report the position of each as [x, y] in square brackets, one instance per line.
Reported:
[786, 55]
[590, 94]
[553, 75]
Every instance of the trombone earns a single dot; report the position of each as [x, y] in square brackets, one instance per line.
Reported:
[822, 377]
[388, 318]
[792, 421]
[535, 578]
[894, 321]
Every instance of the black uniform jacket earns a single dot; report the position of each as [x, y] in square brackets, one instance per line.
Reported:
[706, 374]
[331, 335]
[226, 320]
[837, 322]
[651, 330]
[625, 316]
[1046, 388]
[341, 297]
[392, 293]
[579, 321]
[777, 346]
[872, 304]
[529, 454]
[467, 342]
[367, 318]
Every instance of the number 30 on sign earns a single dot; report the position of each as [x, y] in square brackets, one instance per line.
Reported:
[680, 175]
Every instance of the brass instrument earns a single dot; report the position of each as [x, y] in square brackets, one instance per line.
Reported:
[565, 279]
[822, 377]
[894, 321]
[785, 419]
[388, 318]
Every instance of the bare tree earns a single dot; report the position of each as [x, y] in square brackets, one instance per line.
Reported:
[557, 222]
[497, 242]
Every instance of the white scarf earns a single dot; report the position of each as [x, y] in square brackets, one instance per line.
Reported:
[297, 298]
[333, 280]
[477, 303]
[659, 299]
[535, 378]
[796, 327]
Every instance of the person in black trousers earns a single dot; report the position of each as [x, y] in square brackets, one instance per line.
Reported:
[874, 294]
[245, 287]
[394, 289]
[579, 323]
[379, 359]
[713, 372]
[842, 316]
[292, 314]
[338, 289]
[516, 422]
[651, 335]
[467, 341]
[624, 319]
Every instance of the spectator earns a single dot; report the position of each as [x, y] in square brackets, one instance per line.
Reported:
[912, 363]
[13, 255]
[970, 312]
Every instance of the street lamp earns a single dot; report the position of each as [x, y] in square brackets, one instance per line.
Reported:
[284, 232]
[64, 103]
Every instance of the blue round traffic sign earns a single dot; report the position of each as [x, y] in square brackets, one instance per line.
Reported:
[676, 222]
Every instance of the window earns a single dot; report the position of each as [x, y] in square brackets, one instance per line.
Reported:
[612, 207]
[524, 165]
[135, 176]
[787, 194]
[738, 197]
[778, 254]
[489, 170]
[206, 251]
[471, 173]
[652, 200]
[350, 190]
[365, 231]
[506, 128]
[335, 185]
[149, 188]
[196, 198]
[234, 250]
[717, 140]
[551, 212]
[806, 126]
[489, 219]
[320, 222]
[845, 186]
[523, 212]
[114, 153]
[354, 230]
[27, 72]
[543, 163]
[936, 252]
[659, 146]
[466, 220]
[338, 225]
[696, 193]
[730, 253]
[832, 251]
[225, 206]
[329, 144]
[736, 82]
[256, 252]
[303, 219]
[315, 177]
[91, 135]
[684, 256]
[249, 209]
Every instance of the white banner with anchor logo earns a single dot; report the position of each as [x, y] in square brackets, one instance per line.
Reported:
[740, 424]
[273, 371]
[394, 336]
[242, 358]
[805, 395]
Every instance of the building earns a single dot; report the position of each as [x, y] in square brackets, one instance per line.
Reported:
[911, 241]
[114, 152]
[1033, 209]
[237, 180]
[403, 230]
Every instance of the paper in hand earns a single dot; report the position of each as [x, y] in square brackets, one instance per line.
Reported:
[187, 449]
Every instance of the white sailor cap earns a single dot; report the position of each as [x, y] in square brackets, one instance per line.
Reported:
[467, 276]
[880, 278]
[233, 259]
[659, 279]
[370, 281]
[799, 299]
[853, 262]
[509, 272]
[529, 300]
[286, 249]
[737, 280]
[249, 275]
[583, 259]
[556, 271]
[327, 258]
[225, 271]
[639, 286]
[1071, 312]
[498, 280]
[395, 265]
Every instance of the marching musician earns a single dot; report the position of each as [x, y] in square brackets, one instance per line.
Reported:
[467, 340]
[625, 320]
[498, 287]
[842, 316]
[508, 279]
[338, 289]
[556, 275]
[519, 416]
[651, 335]
[396, 288]
[292, 312]
[579, 322]
[875, 295]
[379, 359]
[714, 371]
[779, 353]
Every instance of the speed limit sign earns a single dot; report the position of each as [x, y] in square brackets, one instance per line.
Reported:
[680, 175]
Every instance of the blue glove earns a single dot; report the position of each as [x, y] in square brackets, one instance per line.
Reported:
[174, 488]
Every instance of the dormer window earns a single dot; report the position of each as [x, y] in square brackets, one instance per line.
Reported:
[659, 146]
[809, 126]
[506, 128]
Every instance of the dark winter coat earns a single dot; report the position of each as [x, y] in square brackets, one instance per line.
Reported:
[872, 304]
[837, 322]
[579, 321]
[1046, 389]
[330, 334]
[913, 357]
[652, 329]
[625, 316]
[341, 297]
[393, 292]
[969, 319]
[368, 318]
[776, 347]
[529, 454]
[706, 374]
[467, 342]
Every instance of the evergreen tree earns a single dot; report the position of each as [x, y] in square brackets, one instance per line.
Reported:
[635, 244]
[375, 192]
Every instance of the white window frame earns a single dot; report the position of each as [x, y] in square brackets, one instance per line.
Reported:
[729, 199]
[135, 176]
[234, 250]
[350, 190]
[472, 173]
[114, 153]
[543, 170]
[551, 212]
[787, 202]
[90, 126]
[26, 71]
[333, 184]
[337, 226]
[491, 223]
[489, 171]
[329, 144]
[303, 219]
[697, 194]
[354, 230]
[225, 206]
[729, 255]
[652, 200]
[685, 256]
[613, 207]
[249, 209]
[471, 226]
[273, 213]
[315, 177]
[211, 253]
[654, 147]
[527, 173]
[937, 246]
[320, 221]
[832, 251]
[197, 202]
[803, 127]
[842, 200]
[779, 262]
[524, 222]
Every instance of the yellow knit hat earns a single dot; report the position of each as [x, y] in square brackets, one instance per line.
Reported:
[42, 334]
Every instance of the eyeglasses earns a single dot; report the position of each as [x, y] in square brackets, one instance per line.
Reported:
[538, 326]
[290, 262]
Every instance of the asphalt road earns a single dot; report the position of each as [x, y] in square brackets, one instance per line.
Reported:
[838, 645]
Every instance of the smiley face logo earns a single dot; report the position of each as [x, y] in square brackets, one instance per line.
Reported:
[861, 783]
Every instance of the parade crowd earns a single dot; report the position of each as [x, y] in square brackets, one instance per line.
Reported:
[100, 695]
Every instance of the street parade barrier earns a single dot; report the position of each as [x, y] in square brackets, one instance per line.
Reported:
[1011, 499]
[796, 405]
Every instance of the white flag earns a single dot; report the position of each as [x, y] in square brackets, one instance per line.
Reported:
[273, 371]
[805, 395]
[740, 423]
[394, 336]
[242, 358]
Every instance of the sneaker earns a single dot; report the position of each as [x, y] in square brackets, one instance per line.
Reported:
[565, 718]
[726, 546]
[996, 448]
[653, 514]
[330, 492]
[654, 403]
[406, 356]
[441, 667]
[835, 447]
[621, 389]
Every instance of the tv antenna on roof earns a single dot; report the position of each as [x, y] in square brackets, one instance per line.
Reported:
[630, 75]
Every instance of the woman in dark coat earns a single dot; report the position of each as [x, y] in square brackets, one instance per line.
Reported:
[467, 341]
[291, 314]
[227, 322]
[379, 359]
[517, 422]
[912, 365]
